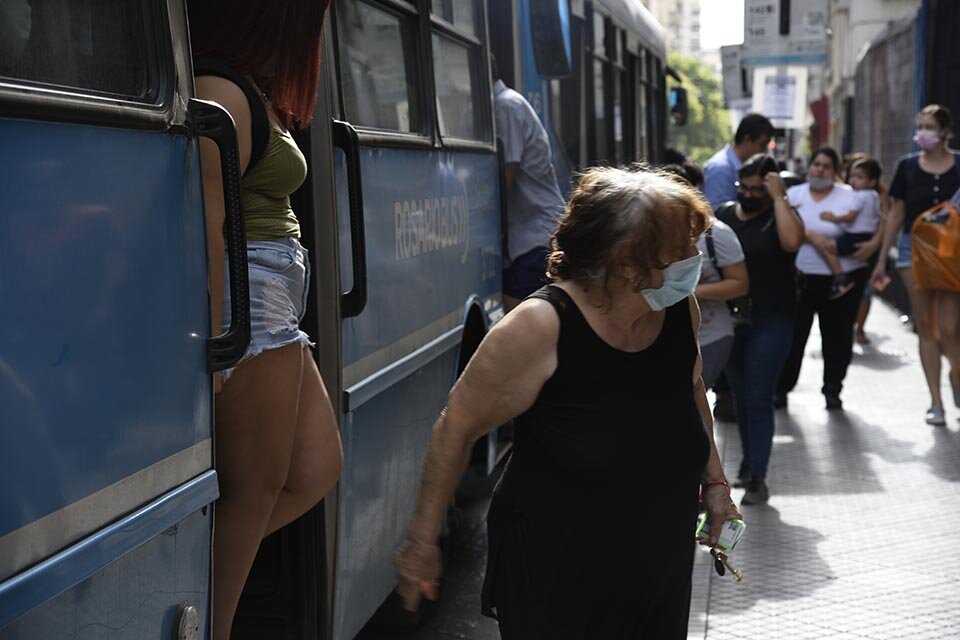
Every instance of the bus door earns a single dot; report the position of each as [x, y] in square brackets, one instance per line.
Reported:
[288, 592]
[105, 340]
[417, 194]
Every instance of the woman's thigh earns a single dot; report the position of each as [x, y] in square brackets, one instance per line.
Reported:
[923, 304]
[766, 353]
[317, 457]
[256, 421]
[948, 314]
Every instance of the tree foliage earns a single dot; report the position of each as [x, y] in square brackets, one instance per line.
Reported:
[708, 125]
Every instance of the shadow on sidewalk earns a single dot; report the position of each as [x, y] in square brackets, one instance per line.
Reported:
[780, 562]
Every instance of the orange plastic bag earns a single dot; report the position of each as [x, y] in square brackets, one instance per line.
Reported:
[935, 240]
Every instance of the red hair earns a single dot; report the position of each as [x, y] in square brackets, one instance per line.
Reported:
[277, 43]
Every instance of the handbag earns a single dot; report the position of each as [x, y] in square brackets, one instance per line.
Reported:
[741, 308]
[935, 240]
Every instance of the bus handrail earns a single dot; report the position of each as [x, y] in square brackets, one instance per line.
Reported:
[346, 139]
[210, 120]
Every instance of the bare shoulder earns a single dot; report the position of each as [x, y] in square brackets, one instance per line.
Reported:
[532, 326]
[226, 94]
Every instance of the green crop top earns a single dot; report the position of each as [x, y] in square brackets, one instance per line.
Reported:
[266, 188]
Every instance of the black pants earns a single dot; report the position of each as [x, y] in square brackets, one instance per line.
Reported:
[836, 328]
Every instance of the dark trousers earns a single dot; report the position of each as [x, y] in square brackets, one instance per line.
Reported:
[836, 319]
[759, 351]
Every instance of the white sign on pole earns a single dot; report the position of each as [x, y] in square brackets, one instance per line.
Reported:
[780, 93]
[736, 84]
[805, 41]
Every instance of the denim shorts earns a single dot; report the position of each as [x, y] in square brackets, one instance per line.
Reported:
[279, 273]
[904, 251]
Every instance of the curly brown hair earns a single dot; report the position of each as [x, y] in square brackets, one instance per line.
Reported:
[639, 217]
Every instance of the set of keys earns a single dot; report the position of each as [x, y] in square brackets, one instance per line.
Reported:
[721, 563]
[730, 535]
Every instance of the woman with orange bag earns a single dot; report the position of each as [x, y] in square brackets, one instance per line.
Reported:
[923, 180]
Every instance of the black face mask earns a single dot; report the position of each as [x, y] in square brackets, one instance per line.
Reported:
[751, 205]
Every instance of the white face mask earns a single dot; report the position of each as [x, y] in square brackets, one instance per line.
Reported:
[15, 26]
[927, 139]
[820, 184]
[679, 281]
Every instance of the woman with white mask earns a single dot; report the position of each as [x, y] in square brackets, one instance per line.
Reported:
[602, 371]
[922, 180]
[822, 193]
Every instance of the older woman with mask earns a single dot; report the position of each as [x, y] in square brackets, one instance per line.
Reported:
[822, 193]
[602, 371]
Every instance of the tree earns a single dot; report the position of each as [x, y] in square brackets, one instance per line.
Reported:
[708, 124]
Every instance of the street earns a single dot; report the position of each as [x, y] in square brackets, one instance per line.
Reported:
[859, 539]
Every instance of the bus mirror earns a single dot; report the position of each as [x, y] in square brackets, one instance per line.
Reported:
[679, 109]
[552, 47]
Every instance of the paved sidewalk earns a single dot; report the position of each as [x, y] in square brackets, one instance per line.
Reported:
[861, 538]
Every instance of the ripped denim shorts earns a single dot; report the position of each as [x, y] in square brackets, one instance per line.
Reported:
[279, 273]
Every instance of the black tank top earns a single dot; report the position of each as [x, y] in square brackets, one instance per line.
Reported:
[600, 492]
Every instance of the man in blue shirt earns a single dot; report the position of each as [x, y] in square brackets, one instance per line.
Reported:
[720, 173]
[534, 203]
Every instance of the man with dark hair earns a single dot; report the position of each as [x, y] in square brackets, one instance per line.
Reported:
[534, 202]
[720, 173]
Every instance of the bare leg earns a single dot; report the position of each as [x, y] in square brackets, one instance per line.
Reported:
[948, 317]
[317, 457]
[256, 423]
[861, 319]
[924, 314]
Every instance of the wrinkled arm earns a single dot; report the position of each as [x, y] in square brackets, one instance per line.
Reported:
[501, 381]
[716, 498]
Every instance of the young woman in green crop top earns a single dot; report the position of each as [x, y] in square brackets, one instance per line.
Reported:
[278, 449]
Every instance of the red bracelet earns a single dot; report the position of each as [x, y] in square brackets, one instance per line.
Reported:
[706, 485]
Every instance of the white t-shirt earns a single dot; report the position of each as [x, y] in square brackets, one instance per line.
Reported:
[867, 202]
[839, 201]
[715, 320]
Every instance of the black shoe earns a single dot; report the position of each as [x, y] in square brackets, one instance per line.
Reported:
[834, 403]
[779, 401]
[743, 475]
[757, 492]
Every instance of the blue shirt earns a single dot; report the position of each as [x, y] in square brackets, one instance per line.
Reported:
[720, 177]
[534, 203]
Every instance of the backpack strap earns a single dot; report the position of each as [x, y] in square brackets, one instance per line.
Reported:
[711, 250]
[259, 120]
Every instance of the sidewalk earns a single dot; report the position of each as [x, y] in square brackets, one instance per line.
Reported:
[861, 538]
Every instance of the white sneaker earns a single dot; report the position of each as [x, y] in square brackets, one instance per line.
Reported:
[936, 417]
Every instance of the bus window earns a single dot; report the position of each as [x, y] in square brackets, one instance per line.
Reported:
[460, 13]
[377, 68]
[458, 71]
[452, 73]
[95, 45]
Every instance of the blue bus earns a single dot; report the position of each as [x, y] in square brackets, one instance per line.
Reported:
[106, 437]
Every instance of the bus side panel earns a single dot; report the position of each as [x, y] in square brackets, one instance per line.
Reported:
[384, 442]
[105, 313]
[432, 241]
[127, 599]
[432, 238]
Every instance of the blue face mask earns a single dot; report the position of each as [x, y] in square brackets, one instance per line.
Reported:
[679, 281]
